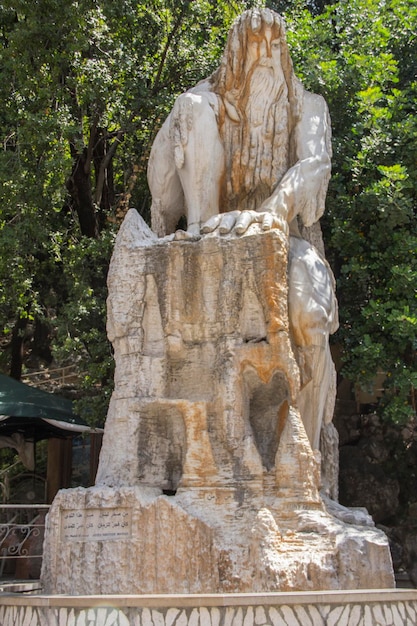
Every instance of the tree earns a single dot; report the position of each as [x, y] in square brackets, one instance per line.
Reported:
[361, 56]
[85, 84]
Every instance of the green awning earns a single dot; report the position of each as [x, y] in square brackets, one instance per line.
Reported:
[36, 414]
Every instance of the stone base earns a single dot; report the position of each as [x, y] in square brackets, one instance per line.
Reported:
[385, 608]
[346, 608]
[135, 541]
[208, 481]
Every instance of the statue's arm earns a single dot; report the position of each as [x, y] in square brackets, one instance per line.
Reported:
[302, 191]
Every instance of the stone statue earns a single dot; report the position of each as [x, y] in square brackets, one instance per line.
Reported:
[249, 138]
[251, 145]
[209, 477]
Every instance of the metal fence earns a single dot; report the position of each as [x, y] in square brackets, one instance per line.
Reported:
[22, 529]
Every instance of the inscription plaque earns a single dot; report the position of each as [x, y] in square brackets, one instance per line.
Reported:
[100, 524]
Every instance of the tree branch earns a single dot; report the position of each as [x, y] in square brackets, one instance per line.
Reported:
[104, 165]
[171, 35]
[91, 142]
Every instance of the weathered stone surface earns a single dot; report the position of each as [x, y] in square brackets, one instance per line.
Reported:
[216, 426]
[329, 449]
[215, 363]
[209, 478]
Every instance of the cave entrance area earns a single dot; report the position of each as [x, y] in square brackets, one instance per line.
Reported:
[162, 447]
[268, 409]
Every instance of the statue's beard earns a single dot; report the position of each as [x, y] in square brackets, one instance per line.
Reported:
[264, 88]
[259, 148]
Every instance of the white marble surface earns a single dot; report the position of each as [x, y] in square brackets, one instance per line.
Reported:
[226, 144]
[251, 145]
[326, 610]
[223, 372]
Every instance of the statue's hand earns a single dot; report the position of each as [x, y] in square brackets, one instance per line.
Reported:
[223, 223]
[271, 220]
[239, 222]
[275, 212]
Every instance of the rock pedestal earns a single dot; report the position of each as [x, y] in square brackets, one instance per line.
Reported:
[207, 482]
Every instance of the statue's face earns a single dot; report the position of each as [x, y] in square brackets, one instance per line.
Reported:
[264, 50]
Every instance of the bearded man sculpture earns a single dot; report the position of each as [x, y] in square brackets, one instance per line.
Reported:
[249, 138]
[251, 145]
[209, 477]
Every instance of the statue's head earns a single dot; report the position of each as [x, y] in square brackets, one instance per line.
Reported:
[259, 35]
[256, 39]
[259, 94]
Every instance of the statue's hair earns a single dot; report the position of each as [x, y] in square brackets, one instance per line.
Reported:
[258, 156]
[228, 80]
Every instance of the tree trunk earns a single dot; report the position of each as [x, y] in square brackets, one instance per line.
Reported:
[79, 187]
[104, 195]
[16, 345]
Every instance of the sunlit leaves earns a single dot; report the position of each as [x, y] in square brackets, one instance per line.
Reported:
[361, 56]
[85, 85]
[77, 72]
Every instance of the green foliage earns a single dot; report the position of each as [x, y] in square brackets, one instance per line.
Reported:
[81, 324]
[85, 84]
[361, 56]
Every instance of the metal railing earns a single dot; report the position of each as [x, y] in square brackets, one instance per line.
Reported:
[22, 529]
